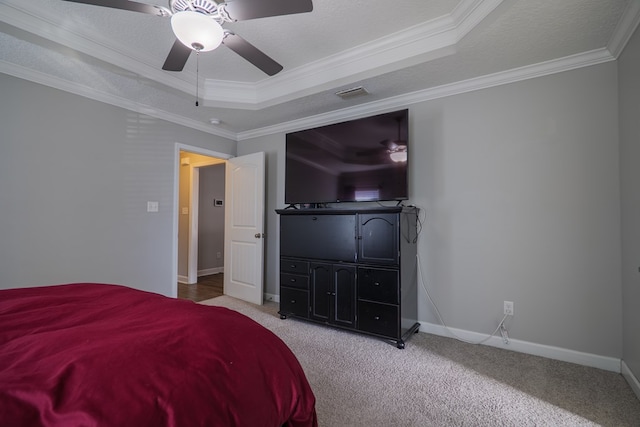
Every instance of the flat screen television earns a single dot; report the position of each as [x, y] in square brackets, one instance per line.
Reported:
[355, 161]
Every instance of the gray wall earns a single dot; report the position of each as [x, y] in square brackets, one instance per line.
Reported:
[75, 178]
[211, 218]
[519, 191]
[519, 187]
[628, 72]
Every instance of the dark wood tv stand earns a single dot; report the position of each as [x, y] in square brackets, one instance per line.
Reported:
[351, 268]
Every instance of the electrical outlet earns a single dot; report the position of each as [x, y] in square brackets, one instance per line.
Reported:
[508, 308]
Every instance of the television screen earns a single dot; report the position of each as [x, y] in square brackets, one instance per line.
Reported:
[354, 161]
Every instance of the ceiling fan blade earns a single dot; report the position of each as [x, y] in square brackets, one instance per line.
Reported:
[177, 57]
[251, 53]
[241, 10]
[127, 5]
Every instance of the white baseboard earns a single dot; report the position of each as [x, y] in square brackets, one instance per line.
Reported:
[272, 297]
[210, 271]
[631, 379]
[586, 359]
[205, 272]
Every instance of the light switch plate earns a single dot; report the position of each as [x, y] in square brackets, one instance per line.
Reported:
[152, 206]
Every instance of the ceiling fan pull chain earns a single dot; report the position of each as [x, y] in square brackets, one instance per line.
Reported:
[197, 74]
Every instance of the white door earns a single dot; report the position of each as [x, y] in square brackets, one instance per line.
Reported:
[244, 228]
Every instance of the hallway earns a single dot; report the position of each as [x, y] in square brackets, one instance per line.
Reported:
[207, 287]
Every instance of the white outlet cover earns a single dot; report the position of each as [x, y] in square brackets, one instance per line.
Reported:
[152, 206]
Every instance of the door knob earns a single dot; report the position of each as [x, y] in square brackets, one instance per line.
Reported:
[259, 235]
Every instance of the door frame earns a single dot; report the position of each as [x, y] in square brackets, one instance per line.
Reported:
[176, 198]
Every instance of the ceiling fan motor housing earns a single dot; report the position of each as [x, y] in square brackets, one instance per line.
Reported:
[208, 7]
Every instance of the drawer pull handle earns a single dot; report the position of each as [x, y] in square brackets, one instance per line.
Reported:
[292, 266]
[376, 317]
[376, 283]
[293, 301]
[292, 280]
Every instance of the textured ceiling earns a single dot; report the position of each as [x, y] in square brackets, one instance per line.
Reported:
[401, 51]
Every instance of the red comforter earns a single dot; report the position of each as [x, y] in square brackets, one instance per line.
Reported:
[107, 355]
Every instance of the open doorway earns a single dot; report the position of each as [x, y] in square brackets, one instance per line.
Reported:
[243, 223]
[201, 223]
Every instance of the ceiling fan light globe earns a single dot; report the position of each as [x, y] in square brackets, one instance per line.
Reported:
[196, 29]
[398, 156]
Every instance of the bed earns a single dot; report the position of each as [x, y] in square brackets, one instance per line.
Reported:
[108, 355]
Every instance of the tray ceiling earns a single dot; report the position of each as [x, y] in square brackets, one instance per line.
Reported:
[402, 52]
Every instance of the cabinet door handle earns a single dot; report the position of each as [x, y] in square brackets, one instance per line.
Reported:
[376, 283]
[376, 317]
[293, 301]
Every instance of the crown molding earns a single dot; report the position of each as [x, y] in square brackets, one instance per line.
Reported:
[625, 28]
[465, 17]
[420, 43]
[389, 104]
[107, 98]
[27, 17]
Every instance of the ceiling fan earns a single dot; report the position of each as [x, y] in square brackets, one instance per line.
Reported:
[394, 149]
[197, 25]
[397, 148]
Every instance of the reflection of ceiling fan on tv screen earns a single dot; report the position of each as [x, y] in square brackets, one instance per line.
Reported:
[197, 25]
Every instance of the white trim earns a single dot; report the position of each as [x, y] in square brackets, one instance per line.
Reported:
[625, 28]
[631, 378]
[272, 297]
[83, 38]
[388, 104]
[392, 52]
[194, 205]
[420, 43]
[550, 352]
[205, 272]
[210, 271]
[108, 98]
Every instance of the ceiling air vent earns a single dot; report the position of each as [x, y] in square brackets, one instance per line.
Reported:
[352, 93]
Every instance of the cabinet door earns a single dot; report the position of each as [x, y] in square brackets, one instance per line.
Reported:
[344, 303]
[328, 237]
[333, 293]
[321, 286]
[378, 238]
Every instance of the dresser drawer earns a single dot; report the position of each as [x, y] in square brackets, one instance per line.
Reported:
[294, 281]
[294, 266]
[379, 319]
[294, 301]
[377, 284]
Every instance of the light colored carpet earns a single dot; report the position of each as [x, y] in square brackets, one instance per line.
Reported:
[437, 381]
